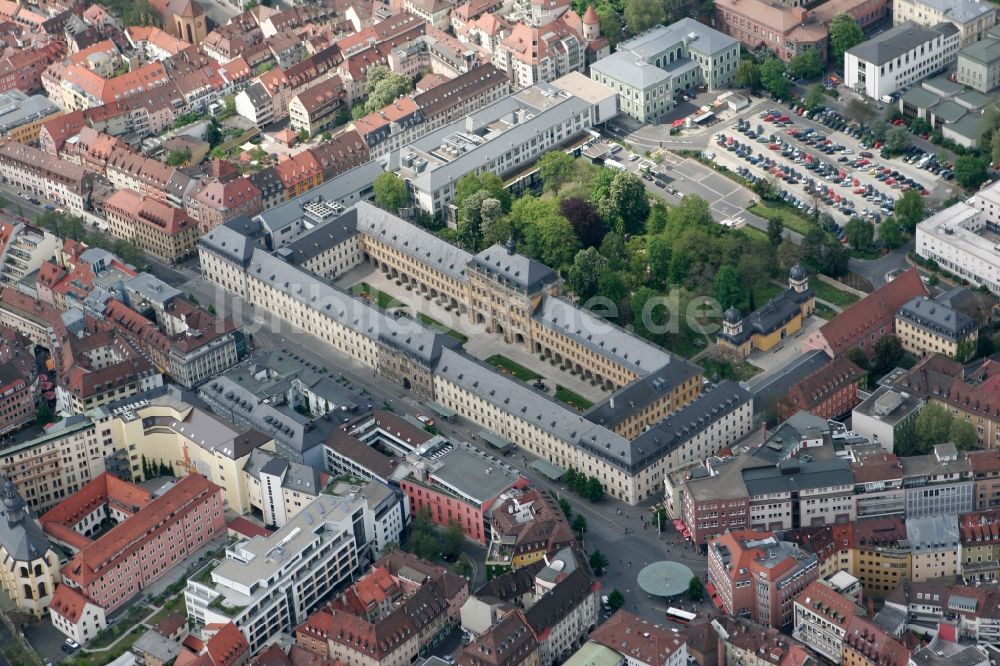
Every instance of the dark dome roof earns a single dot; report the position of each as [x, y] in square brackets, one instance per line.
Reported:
[797, 272]
[732, 315]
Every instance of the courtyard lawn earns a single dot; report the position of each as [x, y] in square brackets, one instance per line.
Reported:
[512, 368]
[441, 328]
[563, 394]
[791, 218]
[173, 605]
[132, 617]
[737, 372]
[107, 656]
[380, 298]
[831, 294]
[824, 311]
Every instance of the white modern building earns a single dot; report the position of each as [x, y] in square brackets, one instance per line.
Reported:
[883, 414]
[899, 57]
[269, 584]
[964, 239]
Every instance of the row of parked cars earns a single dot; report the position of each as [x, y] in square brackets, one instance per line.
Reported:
[929, 162]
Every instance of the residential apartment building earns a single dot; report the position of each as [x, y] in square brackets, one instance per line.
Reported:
[154, 226]
[145, 545]
[640, 642]
[878, 485]
[934, 543]
[969, 609]
[757, 575]
[986, 472]
[269, 584]
[22, 117]
[510, 642]
[317, 108]
[23, 249]
[747, 643]
[30, 571]
[649, 70]
[829, 393]
[979, 62]
[937, 483]
[822, 616]
[876, 551]
[27, 168]
[900, 56]
[216, 200]
[972, 19]
[525, 527]
[979, 552]
[430, 364]
[926, 327]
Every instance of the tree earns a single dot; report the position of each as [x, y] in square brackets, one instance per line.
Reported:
[616, 600]
[909, 210]
[773, 79]
[303, 135]
[589, 266]
[555, 168]
[643, 14]
[471, 183]
[775, 231]
[995, 147]
[586, 222]
[593, 490]
[580, 525]
[729, 287]
[658, 217]
[878, 129]
[696, 589]
[384, 86]
[566, 508]
[844, 34]
[611, 25]
[43, 414]
[859, 358]
[180, 157]
[452, 538]
[962, 434]
[598, 562]
[824, 254]
[815, 97]
[627, 199]
[933, 426]
[920, 126]
[890, 234]
[659, 256]
[897, 140]
[470, 221]
[213, 134]
[807, 65]
[887, 354]
[390, 192]
[767, 188]
[747, 75]
[550, 238]
[859, 233]
[861, 111]
[464, 566]
[970, 170]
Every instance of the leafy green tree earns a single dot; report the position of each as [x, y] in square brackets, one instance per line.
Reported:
[643, 14]
[43, 414]
[179, 157]
[773, 79]
[933, 426]
[887, 354]
[890, 234]
[384, 87]
[658, 217]
[566, 508]
[824, 254]
[303, 135]
[747, 75]
[920, 126]
[962, 434]
[464, 566]
[213, 134]
[897, 140]
[628, 202]
[767, 188]
[861, 111]
[471, 183]
[613, 287]
[452, 538]
[659, 255]
[580, 525]
[470, 221]
[844, 34]
[611, 25]
[696, 589]
[390, 192]
[556, 168]
[909, 210]
[589, 266]
[995, 147]
[859, 358]
[878, 129]
[616, 600]
[814, 97]
[859, 233]
[775, 231]
[729, 287]
[598, 562]
[970, 170]
[593, 490]
[806, 65]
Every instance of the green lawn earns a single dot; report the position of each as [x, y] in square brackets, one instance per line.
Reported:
[17, 654]
[791, 218]
[831, 294]
[512, 368]
[441, 328]
[382, 299]
[174, 605]
[752, 232]
[825, 311]
[131, 618]
[106, 657]
[563, 394]
[737, 372]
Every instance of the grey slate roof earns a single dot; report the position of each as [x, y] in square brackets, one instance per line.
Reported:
[229, 243]
[897, 41]
[961, 11]
[948, 111]
[933, 533]
[771, 316]
[20, 534]
[659, 38]
[642, 392]
[516, 270]
[772, 386]
[986, 51]
[937, 318]
[630, 70]
[318, 240]
[919, 97]
[18, 109]
[794, 476]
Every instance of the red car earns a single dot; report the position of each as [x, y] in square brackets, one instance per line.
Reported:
[924, 193]
[859, 190]
[774, 146]
[784, 119]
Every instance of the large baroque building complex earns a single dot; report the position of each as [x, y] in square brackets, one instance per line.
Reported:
[624, 441]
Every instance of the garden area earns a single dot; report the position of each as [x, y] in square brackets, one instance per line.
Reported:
[437, 326]
[107, 656]
[789, 217]
[513, 368]
[832, 294]
[572, 399]
[380, 298]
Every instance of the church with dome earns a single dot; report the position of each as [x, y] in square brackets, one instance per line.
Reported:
[767, 326]
[29, 565]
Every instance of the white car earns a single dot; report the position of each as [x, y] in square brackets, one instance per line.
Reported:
[632, 157]
[426, 420]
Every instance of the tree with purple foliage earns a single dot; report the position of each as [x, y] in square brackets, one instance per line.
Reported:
[585, 219]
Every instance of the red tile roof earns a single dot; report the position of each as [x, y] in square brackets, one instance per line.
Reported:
[827, 603]
[68, 602]
[228, 646]
[247, 528]
[105, 489]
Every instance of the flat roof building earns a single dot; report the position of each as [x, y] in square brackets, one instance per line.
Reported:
[963, 239]
[898, 57]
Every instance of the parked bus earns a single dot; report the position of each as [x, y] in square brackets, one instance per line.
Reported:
[680, 616]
